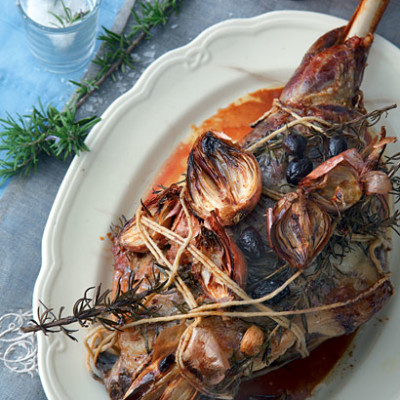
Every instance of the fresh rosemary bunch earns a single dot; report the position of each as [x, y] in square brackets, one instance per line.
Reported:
[26, 138]
[110, 311]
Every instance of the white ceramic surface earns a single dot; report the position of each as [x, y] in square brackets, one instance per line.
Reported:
[137, 134]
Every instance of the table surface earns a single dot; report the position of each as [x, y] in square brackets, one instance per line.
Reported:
[26, 202]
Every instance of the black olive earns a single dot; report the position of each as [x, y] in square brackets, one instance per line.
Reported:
[266, 286]
[166, 363]
[337, 144]
[298, 169]
[251, 244]
[106, 361]
[294, 144]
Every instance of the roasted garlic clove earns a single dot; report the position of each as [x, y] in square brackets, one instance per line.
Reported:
[252, 341]
[162, 208]
[222, 178]
[216, 245]
[298, 229]
[205, 355]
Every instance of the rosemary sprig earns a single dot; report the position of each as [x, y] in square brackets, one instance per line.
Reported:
[68, 18]
[364, 121]
[25, 139]
[354, 128]
[117, 227]
[100, 308]
[368, 217]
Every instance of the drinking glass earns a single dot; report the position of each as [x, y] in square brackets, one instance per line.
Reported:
[61, 34]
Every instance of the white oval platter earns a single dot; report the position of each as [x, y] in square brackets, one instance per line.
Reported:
[139, 131]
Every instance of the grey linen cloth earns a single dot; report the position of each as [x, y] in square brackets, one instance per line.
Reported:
[27, 201]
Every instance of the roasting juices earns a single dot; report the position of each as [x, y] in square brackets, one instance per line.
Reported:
[234, 120]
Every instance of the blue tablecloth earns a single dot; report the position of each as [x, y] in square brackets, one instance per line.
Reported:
[23, 80]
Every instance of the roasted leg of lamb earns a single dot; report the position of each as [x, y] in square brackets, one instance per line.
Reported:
[268, 248]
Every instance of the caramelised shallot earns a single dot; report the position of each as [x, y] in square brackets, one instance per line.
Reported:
[164, 206]
[339, 182]
[298, 229]
[215, 244]
[222, 178]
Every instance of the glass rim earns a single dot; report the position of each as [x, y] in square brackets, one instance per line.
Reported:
[61, 29]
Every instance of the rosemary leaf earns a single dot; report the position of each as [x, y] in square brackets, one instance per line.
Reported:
[67, 18]
[25, 139]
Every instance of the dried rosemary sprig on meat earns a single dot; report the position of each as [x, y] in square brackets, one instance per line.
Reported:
[364, 121]
[318, 127]
[112, 313]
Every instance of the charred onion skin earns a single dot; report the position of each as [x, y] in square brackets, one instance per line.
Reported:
[221, 178]
[214, 243]
[298, 229]
[164, 207]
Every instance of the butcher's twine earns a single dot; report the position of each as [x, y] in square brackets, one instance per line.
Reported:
[18, 350]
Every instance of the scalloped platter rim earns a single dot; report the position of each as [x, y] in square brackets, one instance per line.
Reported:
[140, 130]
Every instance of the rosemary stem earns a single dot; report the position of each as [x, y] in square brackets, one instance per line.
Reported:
[110, 71]
[57, 323]
[144, 29]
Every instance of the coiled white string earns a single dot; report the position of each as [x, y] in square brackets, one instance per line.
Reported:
[18, 350]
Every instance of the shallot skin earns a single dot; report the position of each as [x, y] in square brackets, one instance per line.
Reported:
[340, 181]
[221, 178]
[298, 229]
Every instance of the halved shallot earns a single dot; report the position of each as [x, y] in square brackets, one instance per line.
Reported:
[339, 182]
[221, 178]
[163, 208]
[298, 229]
[215, 244]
